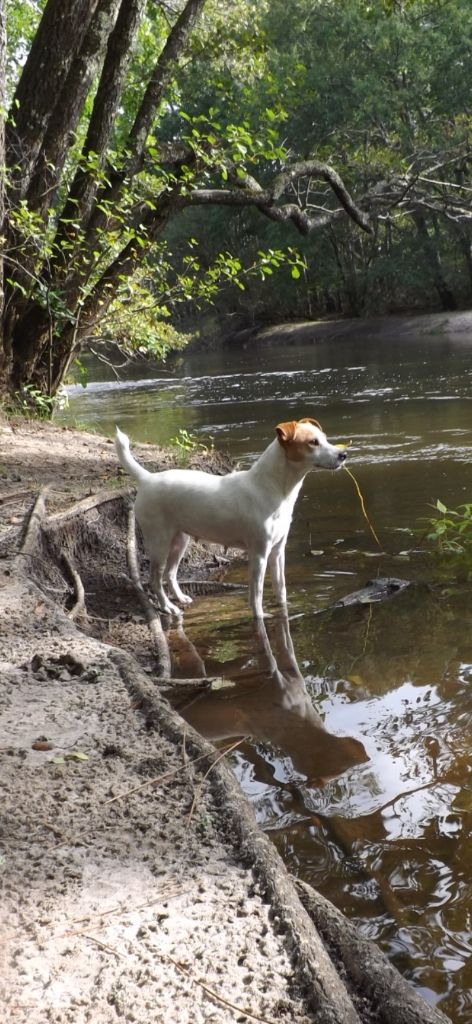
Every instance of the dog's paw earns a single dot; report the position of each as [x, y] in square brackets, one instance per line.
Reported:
[179, 595]
[168, 608]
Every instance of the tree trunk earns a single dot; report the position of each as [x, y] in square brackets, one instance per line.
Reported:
[433, 259]
[84, 187]
[2, 148]
[465, 245]
[136, 142]
[59, 36]
[63, 123]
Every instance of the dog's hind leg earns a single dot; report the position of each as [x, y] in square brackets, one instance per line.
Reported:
[176, 553]
[158, 549]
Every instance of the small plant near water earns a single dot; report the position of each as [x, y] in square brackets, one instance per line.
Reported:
[451, 530]
[32, 403]
[188, 444]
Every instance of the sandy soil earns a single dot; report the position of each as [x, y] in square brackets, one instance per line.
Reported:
[135, 882]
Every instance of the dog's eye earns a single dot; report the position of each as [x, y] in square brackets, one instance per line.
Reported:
[314, 442]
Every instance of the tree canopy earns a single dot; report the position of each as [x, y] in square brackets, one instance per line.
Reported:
[381, 92]
[154, 151]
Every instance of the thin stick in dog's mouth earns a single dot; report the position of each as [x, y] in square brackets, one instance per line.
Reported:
[364, 510]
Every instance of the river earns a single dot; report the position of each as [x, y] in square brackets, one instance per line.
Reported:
[358, 757]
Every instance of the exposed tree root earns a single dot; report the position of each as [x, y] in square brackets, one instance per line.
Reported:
[35, 522]
[326, 992]
[153, 620]
[367, 969]
[79, 606]
[85, 504]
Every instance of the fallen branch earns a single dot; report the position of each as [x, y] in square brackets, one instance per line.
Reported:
[152, 617]
[196, 683]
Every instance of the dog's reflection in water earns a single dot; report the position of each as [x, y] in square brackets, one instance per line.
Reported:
[274, 707]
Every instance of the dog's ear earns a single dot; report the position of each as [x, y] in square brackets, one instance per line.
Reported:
[308, 419]
[286, 431]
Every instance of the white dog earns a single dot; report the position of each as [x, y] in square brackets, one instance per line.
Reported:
[249, 509]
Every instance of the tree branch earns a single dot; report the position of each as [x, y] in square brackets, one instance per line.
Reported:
[136, 142]
[265, 199]
[84, 186]
[163, 70]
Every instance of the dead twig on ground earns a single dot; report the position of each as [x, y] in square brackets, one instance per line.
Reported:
[163, 778]
[212, 766]
[15, 496]
[103, 945]
[124, 911]
[215, 995]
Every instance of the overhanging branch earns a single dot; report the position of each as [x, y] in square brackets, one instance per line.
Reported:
[248, 192]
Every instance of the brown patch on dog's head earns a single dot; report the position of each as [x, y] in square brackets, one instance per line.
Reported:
[286, 431]
[295, 435]
[293, 430]
[308, 419]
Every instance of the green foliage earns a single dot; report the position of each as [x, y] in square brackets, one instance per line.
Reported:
[380, 91]
[451, 531]
[31, 403]
[186, 445]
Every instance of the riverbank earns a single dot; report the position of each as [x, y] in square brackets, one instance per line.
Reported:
[136, 882]
[457, 325]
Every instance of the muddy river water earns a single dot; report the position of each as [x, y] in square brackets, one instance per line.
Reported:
[358, 719]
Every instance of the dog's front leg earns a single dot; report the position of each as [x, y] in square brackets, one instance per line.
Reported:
[277, 571]
[257, 569]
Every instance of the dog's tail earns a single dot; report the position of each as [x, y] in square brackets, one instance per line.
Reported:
[127, 461]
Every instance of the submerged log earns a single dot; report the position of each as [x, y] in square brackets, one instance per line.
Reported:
[374, 591]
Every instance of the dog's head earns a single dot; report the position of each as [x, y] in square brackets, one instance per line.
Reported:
[303, 441]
